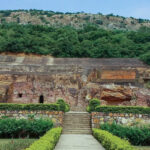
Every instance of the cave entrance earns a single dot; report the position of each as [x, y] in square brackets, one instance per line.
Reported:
[41, 99]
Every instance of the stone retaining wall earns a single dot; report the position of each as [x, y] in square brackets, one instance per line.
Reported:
[55, 116]
[120, 118]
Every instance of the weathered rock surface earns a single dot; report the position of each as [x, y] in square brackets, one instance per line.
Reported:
[116, 93]
[26, 79]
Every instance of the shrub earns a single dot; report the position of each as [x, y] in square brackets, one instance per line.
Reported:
[136, 135]
[48, 141]
[111, 142]
[123, 109]
[67, 108]
[147, 85]
[50, 107]
[6, 13]
[93, 104]
[13, 128]
[59, 106]
[146, 58]
[63, 106]
[100, 22]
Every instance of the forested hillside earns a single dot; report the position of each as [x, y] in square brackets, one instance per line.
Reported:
[90, 41]
[77, 20]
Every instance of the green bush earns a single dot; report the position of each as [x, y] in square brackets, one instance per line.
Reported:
[147, 85]
[59, 106]
[93, 104]
[111, 142]
[146, 58]
[63, 105]
[13, 128]
[136, 135]
[48, 141]
[9, 106]
[123, 109]
[67, 108]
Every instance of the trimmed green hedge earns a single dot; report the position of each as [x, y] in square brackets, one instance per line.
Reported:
[135, 135]
[48, 141]
[9, 106]
[111, 142]
[63, 105]
[123, 109]
[93, 104]
[58, 106]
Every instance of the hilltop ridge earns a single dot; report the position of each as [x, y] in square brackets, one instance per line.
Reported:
[76, 20]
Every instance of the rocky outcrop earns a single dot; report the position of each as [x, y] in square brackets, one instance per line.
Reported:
[5, 84]
[142, 97]
[120, 93]
[116, 94]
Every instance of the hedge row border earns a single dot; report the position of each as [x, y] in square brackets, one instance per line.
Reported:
[48, 141]
[111, 142]
[123, 109]
[30, 107]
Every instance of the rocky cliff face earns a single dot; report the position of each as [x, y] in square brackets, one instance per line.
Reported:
[76, 92]
[26, 79]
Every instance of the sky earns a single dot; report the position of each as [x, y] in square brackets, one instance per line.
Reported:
[126, 8]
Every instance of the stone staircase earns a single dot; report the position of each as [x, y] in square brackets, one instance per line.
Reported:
[78, 109]
[77, 123]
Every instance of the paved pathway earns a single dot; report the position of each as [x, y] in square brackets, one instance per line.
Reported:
[78, 142]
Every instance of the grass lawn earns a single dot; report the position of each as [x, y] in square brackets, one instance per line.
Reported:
[143, 147]
[15, 144]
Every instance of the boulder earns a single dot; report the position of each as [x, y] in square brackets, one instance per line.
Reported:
[116, 93]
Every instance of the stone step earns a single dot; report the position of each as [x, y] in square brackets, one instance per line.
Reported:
[76, 129]
[77, 123]
[81, 125]
[77, 108]
[77, 120]
[77, 132]
[82, 116]
[77, 126]
[77, 116]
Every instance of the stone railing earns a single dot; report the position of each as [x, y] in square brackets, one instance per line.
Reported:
[55, 116]
[98, 118]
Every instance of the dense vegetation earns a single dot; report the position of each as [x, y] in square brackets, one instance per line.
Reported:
[69, 42]
[136, 135]
[13, 128]
[60, 105]
[123, 109]
[111, 142]
[93, 103]
[48, 141]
